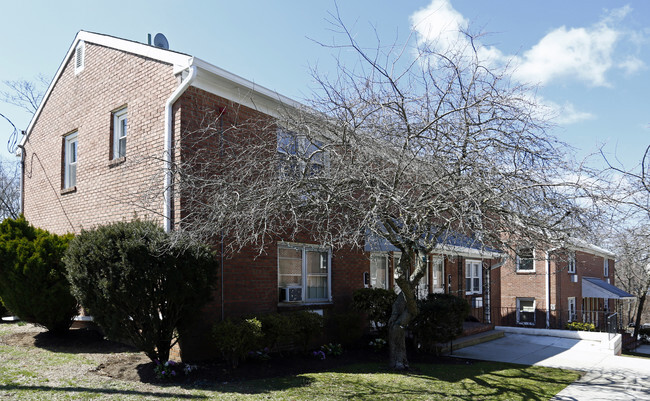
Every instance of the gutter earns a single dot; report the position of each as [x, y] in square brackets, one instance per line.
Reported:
[167, 155]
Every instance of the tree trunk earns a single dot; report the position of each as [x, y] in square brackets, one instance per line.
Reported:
[639, 311]
[399, 319]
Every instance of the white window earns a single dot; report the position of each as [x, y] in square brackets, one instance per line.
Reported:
[79, 57]
[526, 311]
[473, 277]
[572, 309]
[119, 133]
[304, 273]
[526, 260]
[422, 290]
[572, 263]
[300, 156]
[438, 276]
[606, 267]
[379, 270]
[70, 155]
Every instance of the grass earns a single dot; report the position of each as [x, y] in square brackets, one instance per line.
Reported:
[32, 373]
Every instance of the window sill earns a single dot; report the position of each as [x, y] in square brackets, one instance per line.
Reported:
[302, 305]
[116, 162]
[69, 190]
[525, 272]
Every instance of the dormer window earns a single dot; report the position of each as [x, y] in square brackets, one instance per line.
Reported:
[79, 57]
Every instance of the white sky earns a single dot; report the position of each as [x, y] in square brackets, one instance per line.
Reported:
[590, 57]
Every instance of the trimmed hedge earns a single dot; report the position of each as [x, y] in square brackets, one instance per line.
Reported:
[377, 303]
[139, 283]
[440, 320]
[32, 275]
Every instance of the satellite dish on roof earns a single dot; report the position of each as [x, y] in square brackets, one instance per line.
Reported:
[161, 41]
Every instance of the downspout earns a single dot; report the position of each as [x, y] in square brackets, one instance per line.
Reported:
[547, 282]
[167, 153]
[22, 178]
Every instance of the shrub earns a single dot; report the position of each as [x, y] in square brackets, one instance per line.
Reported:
[440, 320]
[376, 302]
[277, 331]
[344, 327]
[139, 283]
[32, 276]
[236, 339]
[307, 325]
[290, 330]
[580, 326]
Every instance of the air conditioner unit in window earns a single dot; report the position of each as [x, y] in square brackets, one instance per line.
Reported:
[291, 293]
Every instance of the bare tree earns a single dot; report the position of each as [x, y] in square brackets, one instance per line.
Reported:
[26, 95]
[406, 145]
[9, 189]
[632, 247]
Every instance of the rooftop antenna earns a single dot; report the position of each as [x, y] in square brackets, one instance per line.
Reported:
[161, 41]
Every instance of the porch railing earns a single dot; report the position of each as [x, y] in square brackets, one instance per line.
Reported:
[558, 319]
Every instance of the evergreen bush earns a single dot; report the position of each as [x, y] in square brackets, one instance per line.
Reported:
[139, 283]
[440, 320]
[377, 303]
[236, 339]
[32, 276]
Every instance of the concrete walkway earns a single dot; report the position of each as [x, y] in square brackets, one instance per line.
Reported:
[608, 376]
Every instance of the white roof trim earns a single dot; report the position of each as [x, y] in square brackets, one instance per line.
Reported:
[454, 250]
[210, 78]
[178, 60]
[580, 245]
[240, 90]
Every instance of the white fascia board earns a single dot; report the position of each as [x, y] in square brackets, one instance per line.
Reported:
[454, 250]
[240, 90]
[140, 49]
[580, 245]
[179, 61]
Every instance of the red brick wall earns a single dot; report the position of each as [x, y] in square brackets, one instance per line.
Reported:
[84, 102]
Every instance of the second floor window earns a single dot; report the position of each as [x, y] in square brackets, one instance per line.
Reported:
[119, 133]
[526, 260]
[606, 267]
[300, 156]
[572, 263]
[70, 161]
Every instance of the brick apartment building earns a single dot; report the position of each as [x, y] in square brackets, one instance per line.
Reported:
[115, 114]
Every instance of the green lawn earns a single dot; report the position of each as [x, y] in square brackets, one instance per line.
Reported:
[479, 381]
[33, 373]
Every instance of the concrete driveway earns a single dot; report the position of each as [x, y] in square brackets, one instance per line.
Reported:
[608, 377]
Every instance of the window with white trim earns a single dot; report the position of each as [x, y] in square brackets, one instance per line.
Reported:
[300, 156]
[379, 270]
[422, 289]
[572, 309]
[304, 273]
[70, 156]
[473, 277]
[606, 267]
[526, 311]
[79, 57]
[526, 260]
[572, 263]
[438, 276]
[119, 133]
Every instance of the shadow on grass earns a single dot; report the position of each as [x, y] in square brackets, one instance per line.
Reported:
[76, 341]
[479, 380]
[15, 387]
